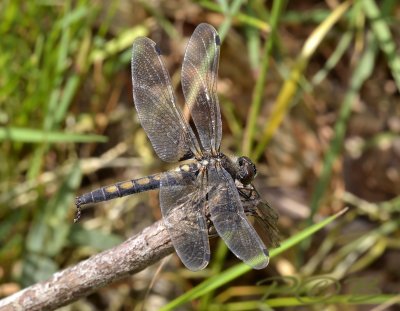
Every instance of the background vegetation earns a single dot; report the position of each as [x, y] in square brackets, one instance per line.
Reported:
[308, 89]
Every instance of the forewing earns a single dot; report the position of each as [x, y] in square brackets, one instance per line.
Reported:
[158, 112]
[230, 221]
[182, 202]
[199, 84]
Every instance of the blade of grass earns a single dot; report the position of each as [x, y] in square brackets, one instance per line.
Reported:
[107, 21]
[367, 299]
[290, 86]
[240, 269]
[66, 98]
[313, 17]
[392, 205]
[31, 135]
[277, 9]
[229, 12]
[341, 48]
[118, 44]
[243, 18]
[382, 33]
[253, 44]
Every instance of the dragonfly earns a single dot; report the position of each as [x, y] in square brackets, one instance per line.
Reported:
[209, 193]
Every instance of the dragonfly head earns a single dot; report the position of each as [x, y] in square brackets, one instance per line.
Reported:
[247, 170]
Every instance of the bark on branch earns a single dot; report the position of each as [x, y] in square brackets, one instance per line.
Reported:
[132, 256]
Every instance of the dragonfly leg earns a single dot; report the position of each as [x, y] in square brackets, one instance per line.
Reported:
[78, 212]
[244, 195]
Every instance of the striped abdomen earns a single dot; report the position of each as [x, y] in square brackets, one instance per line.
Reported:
[134, 186]
[120, 189]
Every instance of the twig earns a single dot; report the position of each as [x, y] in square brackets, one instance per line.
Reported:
[132, 256]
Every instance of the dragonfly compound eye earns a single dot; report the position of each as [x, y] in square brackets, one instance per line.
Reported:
[247, 170]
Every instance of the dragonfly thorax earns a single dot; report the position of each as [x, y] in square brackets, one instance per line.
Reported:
[242, 169]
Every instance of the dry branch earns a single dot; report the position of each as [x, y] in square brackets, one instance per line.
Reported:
[132, 256]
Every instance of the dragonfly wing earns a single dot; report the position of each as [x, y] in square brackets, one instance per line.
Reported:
[265, 216]
[158, 112]
[182, 202]
[199, 84]
[230, 221]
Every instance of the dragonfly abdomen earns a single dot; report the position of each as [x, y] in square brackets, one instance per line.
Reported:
[120, 189]
[133, 186]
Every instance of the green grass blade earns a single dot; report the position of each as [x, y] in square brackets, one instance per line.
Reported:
[253, 44]
[229, 12]
[31, 135]
[66, 98]
[341, 48]
[243, 18]
[367, 299]
[118, 44]
[382, 33]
